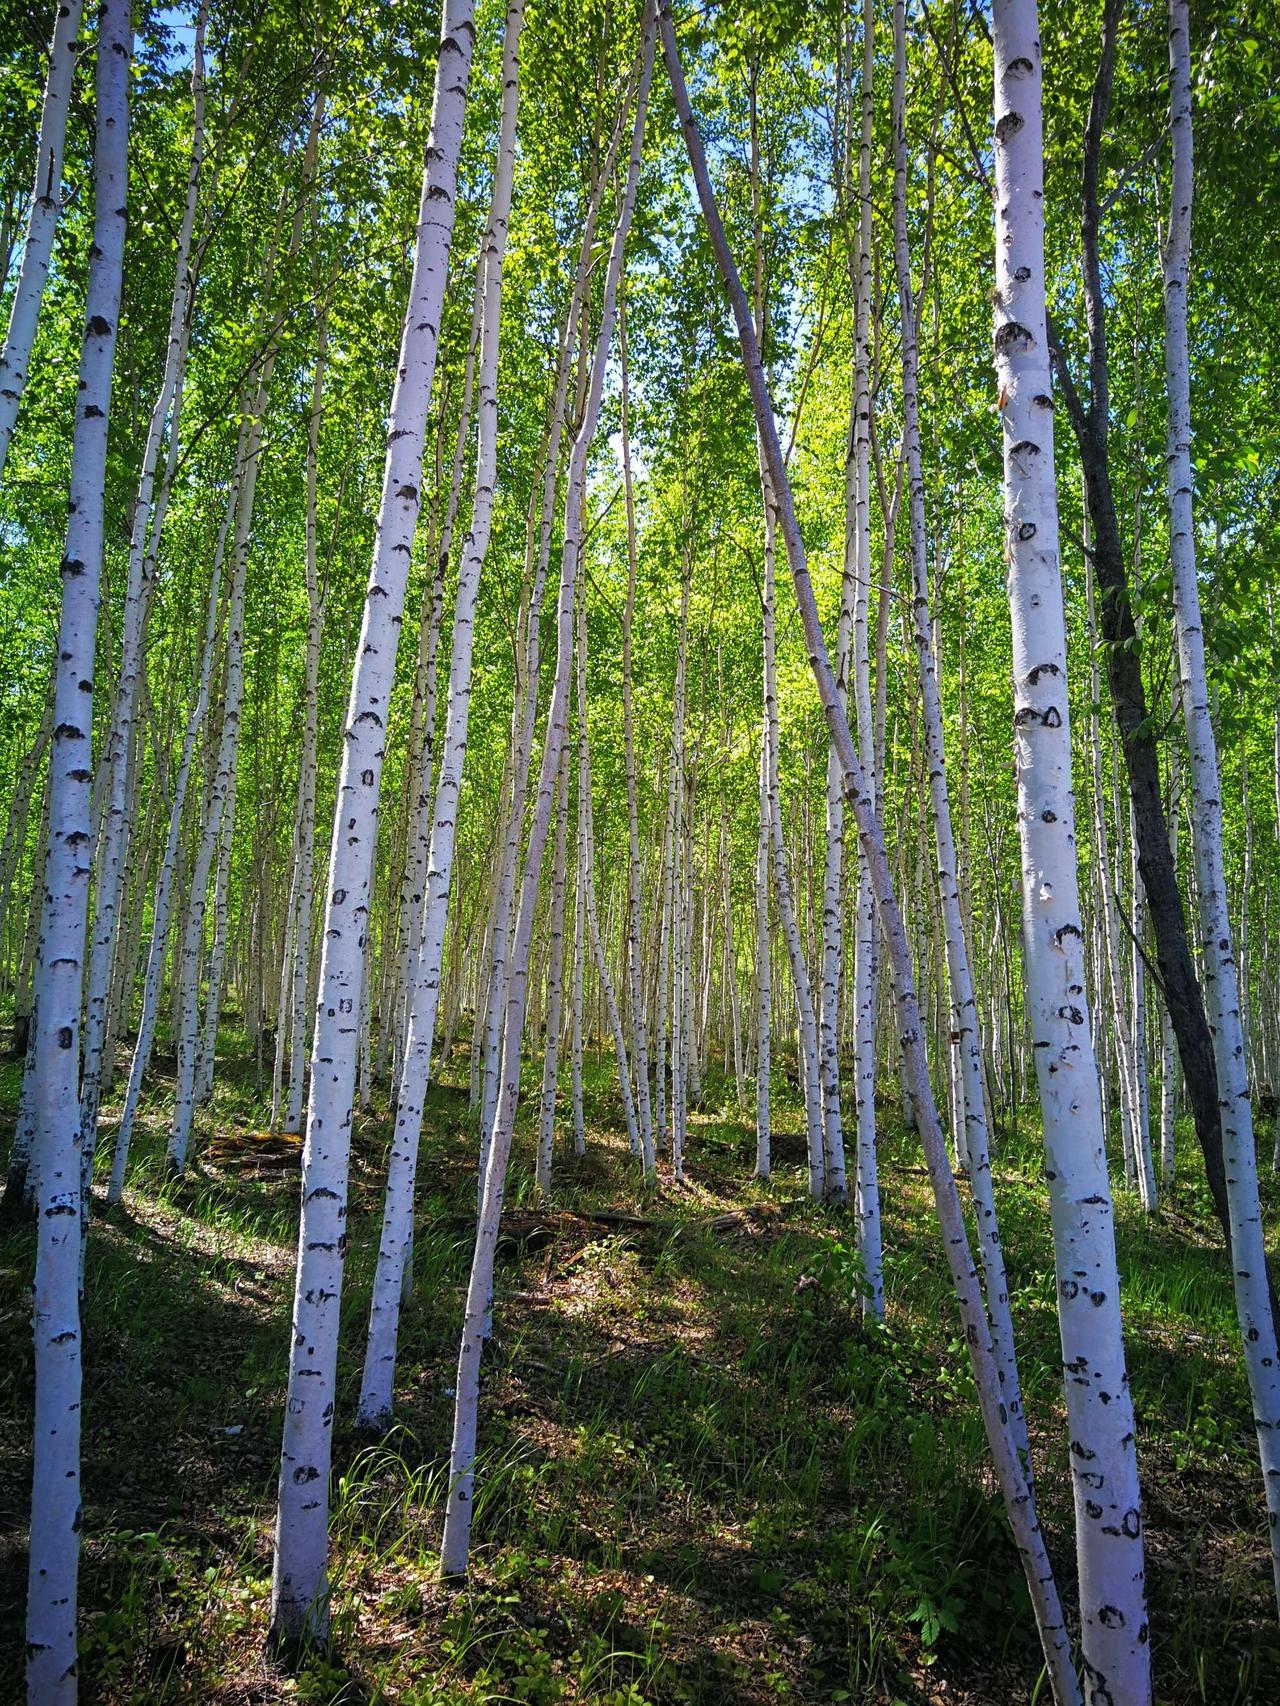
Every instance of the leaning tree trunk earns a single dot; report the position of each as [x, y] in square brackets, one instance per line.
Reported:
[299, 1600]
[1018, 1504]
[1248, 1266]
[54, 1553]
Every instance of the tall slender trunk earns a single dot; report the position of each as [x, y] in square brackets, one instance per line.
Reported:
[299, 1600]
[1124, 670]
[808, 1032]
[589, 887]
[866, 975]
[964, 1027]
[455, 1545]
[1168, 1042]
[42, 218]
[808, 1060]
[672, 944]
[960, 1260]
[195, 1047]
[15, 837]
[167, 883]
[54, 1068]
[374, 1408]
[635, 972]
[1109, 1545]
[764, 991]
[306, 810]
[422, 724]
[1249, 1266]
[111, 851]
[555, 983]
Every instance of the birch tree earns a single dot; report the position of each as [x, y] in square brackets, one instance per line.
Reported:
[42, 218]
[1249, 1262]
[1109, 1543]
[455, 1546]
[299, 1601]
[54, 1066]
[375, 1394]
[1018, 1503]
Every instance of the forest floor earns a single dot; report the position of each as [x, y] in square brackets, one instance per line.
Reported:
[702, 1479]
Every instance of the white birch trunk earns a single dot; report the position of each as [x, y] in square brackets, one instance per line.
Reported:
[525, 708]
[576, 991]
[55, 1490]
[1018, 1503]
[300, 921]
[42, 218]
[284, 1023]
[20, 808]
[374, 1408]
[866, 968]
[764, 994]
[589, 886]
[422, 731]
[964, 1028]
[1109, 1545]
[808, 1038]
[162, 904]
[635, 970]
[206, 1052]
[299, 1588]
[194, 1047]
[672, 945]
[111, 850]
[1249, 1270]
[457, 1530]
[555, 984]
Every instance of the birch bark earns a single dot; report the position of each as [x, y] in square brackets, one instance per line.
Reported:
[397, 1222]
[964, 1027]
[299, 1589]
[54, 1067]
[589, 887]
[300, 922]
[457, 1530]
[1249, 1265]
[635, 971]
[113, 839]
[42, 218]
[858, 541]
[1109, 1544]
[162, 904]
[555, 983]
[1018, 1504]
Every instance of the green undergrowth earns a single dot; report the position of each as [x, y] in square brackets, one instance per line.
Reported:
[702, 1478]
